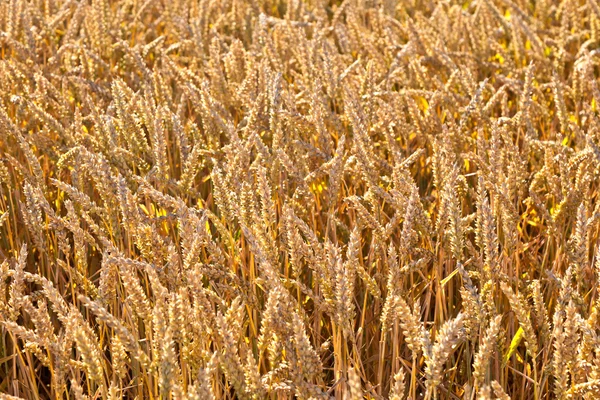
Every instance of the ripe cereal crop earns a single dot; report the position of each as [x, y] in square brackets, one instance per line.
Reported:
[299, 199]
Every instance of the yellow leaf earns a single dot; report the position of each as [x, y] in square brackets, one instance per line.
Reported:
[423, 104]
[317, 187]
[515, 342]
[447, 279]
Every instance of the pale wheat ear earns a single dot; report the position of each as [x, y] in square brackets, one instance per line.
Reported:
[487, 347]
[398, 388]
[447, 340]
[521, 309]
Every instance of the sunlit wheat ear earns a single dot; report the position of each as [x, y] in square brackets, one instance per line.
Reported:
[447, 340]
[473, 306]
[355, 391]
[541, 313]
[499, 392]
[87, 345]
[4, 307]
[398, 388]
[120, 330]
[17, 285]
[229, 359]
[416, 336]
[485, 393]
[485, 353]
[521, 310]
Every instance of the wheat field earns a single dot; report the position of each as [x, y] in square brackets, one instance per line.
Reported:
[299, 199]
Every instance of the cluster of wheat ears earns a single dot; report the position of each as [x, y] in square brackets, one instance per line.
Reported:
[269, 199]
